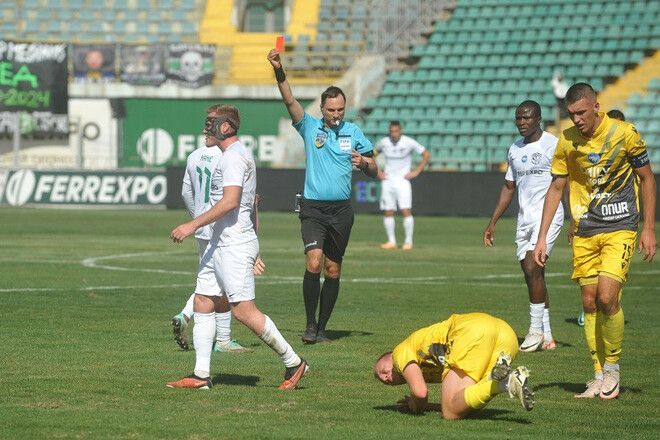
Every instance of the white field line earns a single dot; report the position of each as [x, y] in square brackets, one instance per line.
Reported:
[265, 280]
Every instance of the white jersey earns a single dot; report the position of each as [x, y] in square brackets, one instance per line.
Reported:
[235, 168]
[398, 156]
[529, 167]
[196, 189]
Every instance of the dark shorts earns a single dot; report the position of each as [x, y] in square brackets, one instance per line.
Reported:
[327, 226]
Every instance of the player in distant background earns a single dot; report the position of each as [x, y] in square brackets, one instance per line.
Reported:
[232, 254]
[601, 158]
[195, 191]
[396, 189]
[528, 171]
[332, 148]
[470, 354]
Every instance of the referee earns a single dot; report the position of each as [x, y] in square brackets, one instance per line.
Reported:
[332, 148]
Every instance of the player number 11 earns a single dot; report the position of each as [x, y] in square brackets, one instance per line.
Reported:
[207, 186]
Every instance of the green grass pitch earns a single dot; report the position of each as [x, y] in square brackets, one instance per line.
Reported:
[86, 343]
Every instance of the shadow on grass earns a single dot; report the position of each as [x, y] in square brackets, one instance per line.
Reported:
[393, 408]
[236, 379]
[559, 343]
[575, 388]
[484, 414]
[337, 334]
[574, 321]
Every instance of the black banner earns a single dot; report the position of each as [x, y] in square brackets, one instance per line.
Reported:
[94, 62]
[33, 77]
[143, 65]
[190, 65]
[35, 125]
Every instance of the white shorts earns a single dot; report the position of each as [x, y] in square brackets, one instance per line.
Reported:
[234, 268]
[526, 239]
[207, 283]
[395, 192]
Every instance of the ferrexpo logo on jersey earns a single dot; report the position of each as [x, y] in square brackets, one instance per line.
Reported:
[80, 188]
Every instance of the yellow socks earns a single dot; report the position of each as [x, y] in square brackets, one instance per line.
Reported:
[612, 330]
[478, 395]
[590, 329]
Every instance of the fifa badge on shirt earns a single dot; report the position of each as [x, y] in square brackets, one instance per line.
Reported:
[320, 139]
[345, 144]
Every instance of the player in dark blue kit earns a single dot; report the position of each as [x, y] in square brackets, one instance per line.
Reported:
[332, 148]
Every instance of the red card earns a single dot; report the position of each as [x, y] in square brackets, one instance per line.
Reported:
[279, 44]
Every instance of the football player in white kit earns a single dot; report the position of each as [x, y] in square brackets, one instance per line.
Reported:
[231, 255]
[529, 160]
[396, 190]
[196, 196]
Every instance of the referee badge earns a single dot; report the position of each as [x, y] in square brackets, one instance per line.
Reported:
[320, 139]
[345, 144]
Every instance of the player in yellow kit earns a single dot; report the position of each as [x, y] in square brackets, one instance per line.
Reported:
[607, 165]
[469, 354]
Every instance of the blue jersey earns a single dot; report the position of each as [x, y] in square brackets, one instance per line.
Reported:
[328, 157]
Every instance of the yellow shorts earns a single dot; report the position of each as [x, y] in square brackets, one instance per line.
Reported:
[606, 254]
[476, 347]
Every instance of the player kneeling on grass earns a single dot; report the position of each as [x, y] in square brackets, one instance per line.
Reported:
[469, 354]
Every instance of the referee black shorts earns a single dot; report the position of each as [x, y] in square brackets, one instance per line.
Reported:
[326, 225]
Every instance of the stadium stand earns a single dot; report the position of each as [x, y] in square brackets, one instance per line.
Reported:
[457, 68]
[643, 110]
[474, 79]
[166, 21]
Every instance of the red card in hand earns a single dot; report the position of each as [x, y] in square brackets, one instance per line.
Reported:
[279, 44]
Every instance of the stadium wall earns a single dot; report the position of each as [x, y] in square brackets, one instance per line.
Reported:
[465, 194]
[446, 194]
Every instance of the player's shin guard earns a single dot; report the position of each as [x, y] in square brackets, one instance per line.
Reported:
[478, 395]
[612, 331]
[188, 309]
[311, 292]
[590, 335]
[223, 326]
[203, 334]
[389, 225]
[329, 295]
[409, 228]
[274, 339]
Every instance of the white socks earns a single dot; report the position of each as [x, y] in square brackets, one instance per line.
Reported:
[408, 227]
[388, 222]
[272, 337]
[536, 318]
[223, 327]
[188, 310]
[547, 332]
[203, 334]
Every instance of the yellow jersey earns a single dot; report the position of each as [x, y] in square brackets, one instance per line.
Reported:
[603, 186]
[469, 342]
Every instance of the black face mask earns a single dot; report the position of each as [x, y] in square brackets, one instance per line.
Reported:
[213, 127]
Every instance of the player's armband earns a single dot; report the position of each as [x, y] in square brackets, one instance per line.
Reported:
[640, 160]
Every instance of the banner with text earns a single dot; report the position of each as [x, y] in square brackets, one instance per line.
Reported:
[162, 132]
[33, 77]
[36, 125]
[27, 187]
[190, 65]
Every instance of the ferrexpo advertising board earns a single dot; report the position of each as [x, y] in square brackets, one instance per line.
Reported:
[163, 132]
[28, 187]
